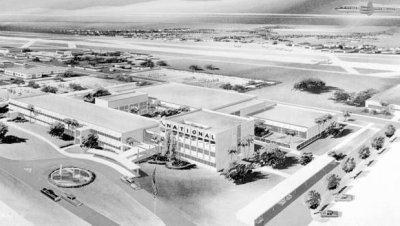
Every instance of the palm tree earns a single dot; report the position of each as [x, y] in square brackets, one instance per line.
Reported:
[318, 121]
[31, 110]
[135, 110]
[346, 114]
[249, 141]
[131, 141]
[291, 134]
[158, 140]
[232, 151]
[68, 122]
[74, 123]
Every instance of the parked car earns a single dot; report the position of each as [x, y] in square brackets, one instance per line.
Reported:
[330, 213]
[343, 197]
[50, 193]
[71, 199]
[131, 182]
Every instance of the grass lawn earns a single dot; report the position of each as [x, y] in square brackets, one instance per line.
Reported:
[44, 131]
[202, 194]
[321, 146]
[23, 146]
[287, 76]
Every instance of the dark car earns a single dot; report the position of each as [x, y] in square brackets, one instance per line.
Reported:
[50, 193]
[71, 199]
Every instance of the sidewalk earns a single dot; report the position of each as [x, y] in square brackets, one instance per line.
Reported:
[90, 157]
[376, 195]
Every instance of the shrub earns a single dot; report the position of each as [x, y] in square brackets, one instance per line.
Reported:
[333, 181]
[306, 158]
[337, 156]
[349, 165]
[211, 67]
[195, 68]
[272, 156]
[358, 99]
[143, 83]
[378, 142]
[89, 98]
[162, 63]
[49, 89]
[364, 152]
[226, 86]
[238, 172]
[57, 129]
[33, 84]
[313, 199]
[341, 95]
[239, 88]
[17, 81]
[147, 63]
[3, 130]
[101, 92]
[90, 141]
[390, 130]
[76, 87]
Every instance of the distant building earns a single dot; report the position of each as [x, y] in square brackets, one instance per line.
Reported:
[125, 102]
[388, 99]
[4, 51]
[34, 72]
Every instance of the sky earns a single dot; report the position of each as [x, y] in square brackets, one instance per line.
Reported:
[136, 8]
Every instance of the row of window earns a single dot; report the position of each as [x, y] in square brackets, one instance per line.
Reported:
[106, 135]
[284, 130]
[198, 160]
[196, 149]
[107, 144]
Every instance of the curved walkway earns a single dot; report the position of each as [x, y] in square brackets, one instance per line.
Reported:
[90, 157]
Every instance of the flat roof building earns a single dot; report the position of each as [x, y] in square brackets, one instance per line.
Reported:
[106, 122]
[125, 102]
[282, 118]
[34, 72]
[388, 97]
[195, 96]
[206, 136]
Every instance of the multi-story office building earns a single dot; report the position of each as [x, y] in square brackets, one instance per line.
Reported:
[113, 127]
[206, 136]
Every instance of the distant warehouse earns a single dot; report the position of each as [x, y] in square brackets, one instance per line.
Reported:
[34, 72]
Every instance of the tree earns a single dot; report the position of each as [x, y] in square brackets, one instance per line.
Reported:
[333, 181]
[364, 152]
[49, 89]
[291, 134]
[17, 81]
[158, 140]
[305, 158]
[358, 99]
[147, 63]
[3, 130]
[226, 86]
[101, 92]
[90, 141]
[313, 199]
[194, 68]
[346, 114]
[311, 85]
[238, 172]
[211, 67]
[232, 152]
[162, 63]
[348, 165]
[337, 156]
[319, 122]
[271, 155]
[341, 96]
[31, 110]
[76, 87]
[57, 129]
[390, 130]
[89, 98]
[135, 110]
[33, 84]
[378, 142]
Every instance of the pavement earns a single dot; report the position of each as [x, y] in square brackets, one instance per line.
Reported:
[376, 195]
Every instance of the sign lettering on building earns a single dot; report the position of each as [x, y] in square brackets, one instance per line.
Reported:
[188, 130]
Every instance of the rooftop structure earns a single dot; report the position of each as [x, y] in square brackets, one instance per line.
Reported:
[291, 115]
[104, 117]
[248, 107]
[390, 96]
[195, 96]
[209, 120]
